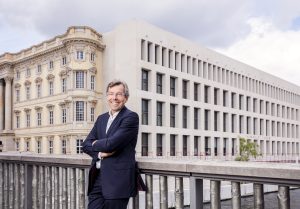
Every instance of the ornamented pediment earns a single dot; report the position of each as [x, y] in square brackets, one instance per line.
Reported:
[27, 83]
[17, 85]
[50, 106]
[50, 77]
[38, 80]
[38, 108]
[93, 70]
[63, 73]
[27, 110]
[17, 111]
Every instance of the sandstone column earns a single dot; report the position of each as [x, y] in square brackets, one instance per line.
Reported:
[8, 103]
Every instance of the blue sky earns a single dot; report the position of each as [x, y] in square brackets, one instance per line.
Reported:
[264, 34]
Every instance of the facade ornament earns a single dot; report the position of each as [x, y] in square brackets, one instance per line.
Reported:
[27, 110]
[50, 77]
[27, 83]
[38, 108]
[38, 80]
[93, 70]
[17, 86]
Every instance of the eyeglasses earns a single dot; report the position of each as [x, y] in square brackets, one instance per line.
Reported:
[118, 94]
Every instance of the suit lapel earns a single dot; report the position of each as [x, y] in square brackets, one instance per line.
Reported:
[103, 125]
[115, 121]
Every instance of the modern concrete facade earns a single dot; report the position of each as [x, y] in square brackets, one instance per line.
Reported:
[191, 100]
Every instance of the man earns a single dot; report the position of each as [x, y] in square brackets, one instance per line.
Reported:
[111, 143]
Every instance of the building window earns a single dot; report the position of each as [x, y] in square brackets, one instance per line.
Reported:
[28, 72]
[18, 95]
[39, 146]
[172, 86]
[196, 118]
[172, 145]
[145, 144]
[145, 80]
[196, 90]
[159, 144]
[28, 120]
[51, 64]
[51, 117]
[93, 57]
[92, 82]
[196, 145]
[64, 85]
[159, 80]
[17, 121]
[184, 116]
[79, 111]
[79, 55]
[206, 94]
[79, 79]
[64, 146]
[18, 75]
[184, 89]
[172, 115]
[17, 145]
[92, 114]
[39, 69]
[159, 113]
[64, 60]
[51, 145]
[184, 145]
[27, 92]
[145, 112]
[206, 119]
[38, 89]
[27, 143]
[50, 87]
[79, 146]
[39, 118]
[64, 115]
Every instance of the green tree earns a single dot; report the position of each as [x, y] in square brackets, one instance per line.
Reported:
[247, 149]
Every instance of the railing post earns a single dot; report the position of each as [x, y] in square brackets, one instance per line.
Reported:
[5, 185]
[149, 193]
[11, 184]
[135, 201]
[236, 195]
[215, 197]
[163, 191]
[283, 197]
[196, 193]
[1, 185]
[179, 193]
[258, 191]
[28, 186]
[34, 187]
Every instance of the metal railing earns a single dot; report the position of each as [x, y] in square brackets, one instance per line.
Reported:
[60, 182]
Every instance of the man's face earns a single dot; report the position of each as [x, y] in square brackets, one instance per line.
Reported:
[116, 98]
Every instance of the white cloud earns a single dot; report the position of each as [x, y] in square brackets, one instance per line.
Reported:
[269, 49]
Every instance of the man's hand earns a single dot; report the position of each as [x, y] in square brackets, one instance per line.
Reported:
[105, 154]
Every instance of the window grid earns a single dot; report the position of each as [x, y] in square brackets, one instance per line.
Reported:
[79, 111]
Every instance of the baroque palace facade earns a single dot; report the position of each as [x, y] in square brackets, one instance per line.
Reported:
[192, 101]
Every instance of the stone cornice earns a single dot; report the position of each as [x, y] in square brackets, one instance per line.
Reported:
[17, 111]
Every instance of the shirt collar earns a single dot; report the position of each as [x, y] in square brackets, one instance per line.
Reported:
[113, 116]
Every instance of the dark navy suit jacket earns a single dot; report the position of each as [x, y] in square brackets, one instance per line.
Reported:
[118, 170]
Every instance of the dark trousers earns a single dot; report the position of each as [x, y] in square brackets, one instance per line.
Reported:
[97, 201]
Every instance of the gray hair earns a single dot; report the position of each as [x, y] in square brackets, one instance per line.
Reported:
[117, 83]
